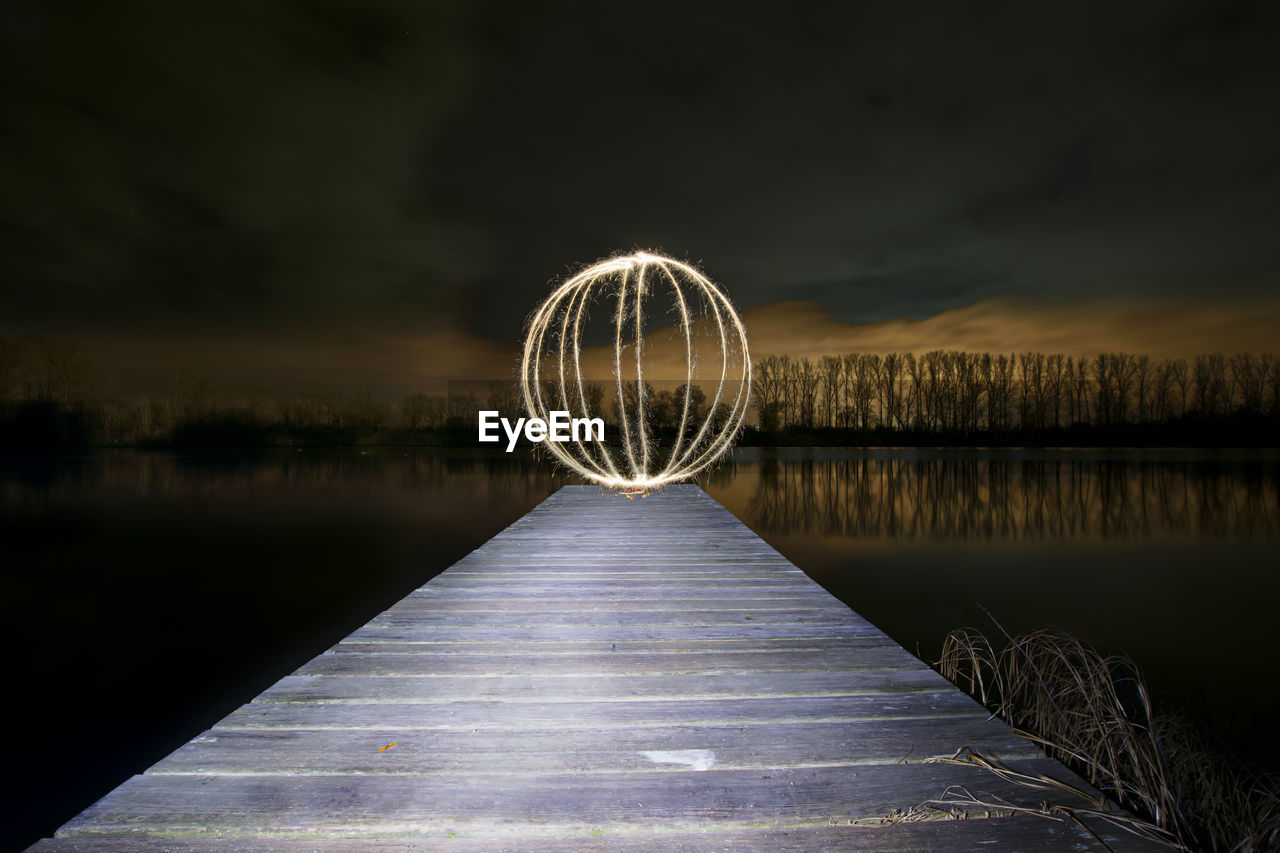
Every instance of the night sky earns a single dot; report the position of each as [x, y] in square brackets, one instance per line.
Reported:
[372, 195]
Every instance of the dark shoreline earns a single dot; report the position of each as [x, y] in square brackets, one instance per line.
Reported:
[59, 432]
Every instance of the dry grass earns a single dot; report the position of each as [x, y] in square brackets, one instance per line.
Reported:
[1087, 810]
[1094, 713]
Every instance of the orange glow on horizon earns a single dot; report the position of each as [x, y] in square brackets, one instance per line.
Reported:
[393, 364]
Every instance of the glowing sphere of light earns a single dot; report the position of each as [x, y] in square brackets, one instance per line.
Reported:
[648, 302]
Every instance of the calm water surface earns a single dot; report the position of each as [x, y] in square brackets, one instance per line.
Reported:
[147, 595]
[1170, 556]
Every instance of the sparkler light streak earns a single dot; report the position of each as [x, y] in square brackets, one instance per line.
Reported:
[551, 373]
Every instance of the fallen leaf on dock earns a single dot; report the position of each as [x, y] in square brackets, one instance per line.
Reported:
[388, 746]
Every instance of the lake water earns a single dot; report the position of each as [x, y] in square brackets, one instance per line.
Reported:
[147, 595]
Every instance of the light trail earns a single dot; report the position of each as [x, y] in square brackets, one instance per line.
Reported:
[553, 355]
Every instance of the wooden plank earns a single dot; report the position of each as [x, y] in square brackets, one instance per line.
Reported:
[409, 716]
[707, 602]
[524, 808]
[643, 564]
[582, 618]
[992, 834]
[604, 587]
[609, 634]
[687, 646]
[481, 564]
[360, 805]
[588, 664]
[574, 688]
[456, 752]
[647, 674]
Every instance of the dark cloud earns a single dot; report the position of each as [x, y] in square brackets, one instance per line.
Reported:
[205, 163]
[922, 158]
[366, 167]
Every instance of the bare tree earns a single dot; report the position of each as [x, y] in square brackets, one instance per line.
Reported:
[1248, 380]
[891, 389]
[1209, 376]
[1123, 367]
[1032, 397]
[1142, 377]
[661, 410]
[1055, 379]
[970, 384]
[1161, 391]
[874, 367]
[831, 370]
[1103, 376]
[1271, 367]
[917, 396]
[767, 390]
[1080, 397]
[697, 402]
[413, 411]
[504, 399]
[806, 388]
[39, 369]
[1000, 391]
[195, 396]
[848, 387]
[1182, 382]
[864, 388]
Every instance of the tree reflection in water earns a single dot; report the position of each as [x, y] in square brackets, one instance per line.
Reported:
[1002, 495]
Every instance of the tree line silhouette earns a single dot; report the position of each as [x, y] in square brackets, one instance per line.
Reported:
[972, 394]
[49, 402]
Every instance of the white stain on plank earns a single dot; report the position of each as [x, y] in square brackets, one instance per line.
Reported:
[696, 759]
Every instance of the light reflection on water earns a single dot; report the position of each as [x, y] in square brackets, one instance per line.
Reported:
[955, 495]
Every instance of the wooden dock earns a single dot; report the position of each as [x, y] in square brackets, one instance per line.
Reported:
[604, 674]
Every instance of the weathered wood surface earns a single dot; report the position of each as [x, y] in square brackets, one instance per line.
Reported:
[604, 674]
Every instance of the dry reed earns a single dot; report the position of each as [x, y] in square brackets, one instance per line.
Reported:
[1094, 713]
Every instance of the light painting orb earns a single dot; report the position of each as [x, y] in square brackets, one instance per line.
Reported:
[605, 342]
